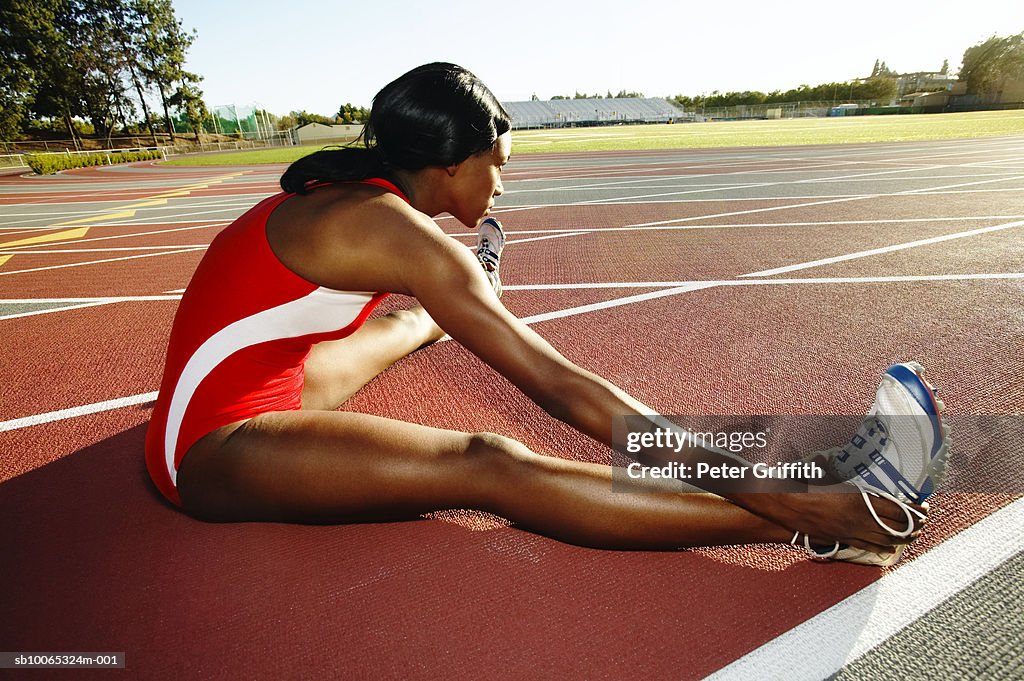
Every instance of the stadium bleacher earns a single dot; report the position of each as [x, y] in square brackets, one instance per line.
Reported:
[591, 111]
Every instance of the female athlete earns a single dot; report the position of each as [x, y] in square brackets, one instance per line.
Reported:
[272, 335]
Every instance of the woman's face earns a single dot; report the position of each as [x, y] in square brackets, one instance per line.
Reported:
[477, 182]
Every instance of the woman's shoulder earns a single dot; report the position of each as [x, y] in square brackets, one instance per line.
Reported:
[352, 236]
[373, 210]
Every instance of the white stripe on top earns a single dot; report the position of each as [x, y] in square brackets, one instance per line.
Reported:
[321, 311]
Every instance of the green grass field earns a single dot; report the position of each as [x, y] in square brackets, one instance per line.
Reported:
[786, 132]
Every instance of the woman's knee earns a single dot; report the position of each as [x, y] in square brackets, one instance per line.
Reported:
[499, 454]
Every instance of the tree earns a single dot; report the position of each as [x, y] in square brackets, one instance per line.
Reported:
[43, 54]
[128, 24]
[23, 39]
[987, 65]
[880, 88]
[350, 114]
[305, 118]
[73, 59]
[189, 100]
[162, 46]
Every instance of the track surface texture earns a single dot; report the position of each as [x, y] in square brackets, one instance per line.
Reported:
[714, 282]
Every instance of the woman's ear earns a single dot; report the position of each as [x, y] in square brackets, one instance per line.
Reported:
[452, 169]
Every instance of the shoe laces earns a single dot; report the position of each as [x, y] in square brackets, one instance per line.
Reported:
[866, 493]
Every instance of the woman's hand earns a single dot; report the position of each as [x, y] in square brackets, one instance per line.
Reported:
[838, 516]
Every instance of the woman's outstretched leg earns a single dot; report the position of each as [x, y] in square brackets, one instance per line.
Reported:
[331, 467]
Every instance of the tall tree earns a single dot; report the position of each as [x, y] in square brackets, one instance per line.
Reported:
[68, 59]
[189, 100]
[42, 51]
[987, 65]
[349, 114]
[162, 46]
[127, 24]
[102, 65]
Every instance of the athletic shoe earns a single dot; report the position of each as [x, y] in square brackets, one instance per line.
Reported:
[490, 240]
[899, 453]
[902, 446]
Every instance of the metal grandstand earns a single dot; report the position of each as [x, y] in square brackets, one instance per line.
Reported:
[558, 113]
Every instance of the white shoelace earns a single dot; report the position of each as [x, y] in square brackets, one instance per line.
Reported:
[864, 492]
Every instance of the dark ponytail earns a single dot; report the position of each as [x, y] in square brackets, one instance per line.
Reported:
[435, 115]
[333, 165]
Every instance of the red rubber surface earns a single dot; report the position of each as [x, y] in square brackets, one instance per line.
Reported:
[96, 560]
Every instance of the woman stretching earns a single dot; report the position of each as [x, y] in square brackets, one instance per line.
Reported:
[272, 336]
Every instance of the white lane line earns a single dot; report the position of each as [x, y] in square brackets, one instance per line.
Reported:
[604, 305]
[63, 308]
[827, 642]
[860, 197]
[745, 225]
[123, 236]
[194, 223]
[96, 262]
[890, 279]
[675, 288]
[813, 180]
[549, 236]
[108, 405]
[670, 183]
[65, 304]
[117, 249]
[884, 249]
[93, 299]
[74, 412]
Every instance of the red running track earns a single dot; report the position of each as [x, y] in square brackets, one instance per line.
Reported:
[95, 560]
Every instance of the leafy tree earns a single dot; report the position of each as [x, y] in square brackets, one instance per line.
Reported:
[881, 69]
[305, 118]
[128, 25]
[350, 114]
[189, 100]
[162, 45]
[72, 59]
[26, 28]
[42, 47]
[880, 88]
[987, 65]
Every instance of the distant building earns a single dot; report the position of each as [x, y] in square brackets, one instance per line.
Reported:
[318, 133]
[934, 98]
[923, 81]
[592, 111]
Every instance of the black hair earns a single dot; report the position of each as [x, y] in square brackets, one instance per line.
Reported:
[437, 114]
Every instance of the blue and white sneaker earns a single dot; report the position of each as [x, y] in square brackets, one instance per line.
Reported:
[901, 448]
[899, 453]
[490, 241]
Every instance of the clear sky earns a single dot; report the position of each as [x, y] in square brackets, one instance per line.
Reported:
[316, 56]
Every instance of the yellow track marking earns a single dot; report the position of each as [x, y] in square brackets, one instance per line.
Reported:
[46, 238]
[127, 211]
